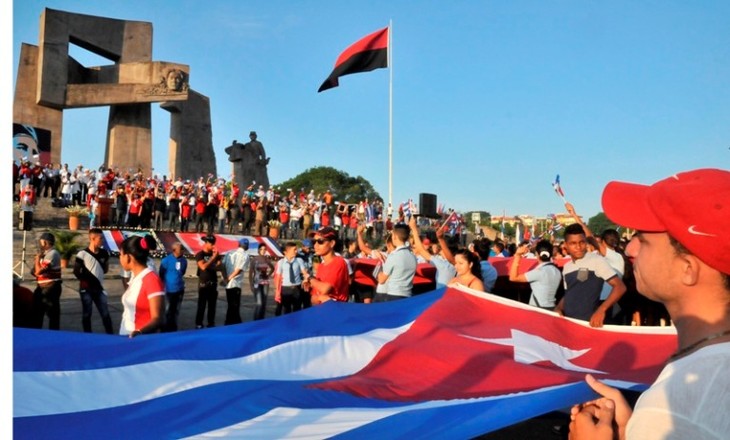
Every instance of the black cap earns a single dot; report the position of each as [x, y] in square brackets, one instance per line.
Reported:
[209, 239]
[47, 236]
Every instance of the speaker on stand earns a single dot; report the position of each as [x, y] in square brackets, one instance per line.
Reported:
[25, 224]
[427, 205]
[25, 221]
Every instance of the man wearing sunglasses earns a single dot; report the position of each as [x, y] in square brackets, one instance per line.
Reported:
[331, 282]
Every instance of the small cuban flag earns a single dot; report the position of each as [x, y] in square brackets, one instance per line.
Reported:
[558, 189]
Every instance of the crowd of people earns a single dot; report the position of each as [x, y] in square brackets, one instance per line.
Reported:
[207, 204]
[322, 267]
[673, 260]
[365, 230]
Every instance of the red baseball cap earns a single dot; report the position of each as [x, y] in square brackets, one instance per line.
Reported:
[693, 207]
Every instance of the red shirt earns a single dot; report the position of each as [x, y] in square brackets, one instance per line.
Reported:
[28, 196]
[135, 206]
[25, 171]
[335, 274]
[136, 301]
[200, 207]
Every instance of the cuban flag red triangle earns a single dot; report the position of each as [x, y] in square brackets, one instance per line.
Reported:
[520, 349]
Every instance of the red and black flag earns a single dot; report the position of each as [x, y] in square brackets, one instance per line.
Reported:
[367, 54]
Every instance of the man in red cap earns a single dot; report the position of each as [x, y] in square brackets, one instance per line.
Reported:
[681, 256]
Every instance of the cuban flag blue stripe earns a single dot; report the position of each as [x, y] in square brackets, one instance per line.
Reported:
[92, 351]
[215, 410]
[279, 378]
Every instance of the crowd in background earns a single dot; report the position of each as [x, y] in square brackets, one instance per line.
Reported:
[364, 230]
[207, 204]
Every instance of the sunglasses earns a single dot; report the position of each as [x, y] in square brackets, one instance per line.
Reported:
[320, 241]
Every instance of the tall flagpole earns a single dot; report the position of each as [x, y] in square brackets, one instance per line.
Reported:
[390, 114]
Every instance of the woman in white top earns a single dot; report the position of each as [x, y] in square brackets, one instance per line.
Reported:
[544, 279]
[144, 299]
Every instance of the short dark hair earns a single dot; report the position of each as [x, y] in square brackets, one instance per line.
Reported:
[95, 231]
[402, 231]
[482, 248]
[611, 237]
[574, 229]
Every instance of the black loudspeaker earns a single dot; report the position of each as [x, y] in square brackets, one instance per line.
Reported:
[25, 222]
[427, 205]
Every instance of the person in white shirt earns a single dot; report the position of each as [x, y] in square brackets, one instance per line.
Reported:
[544, 279]
[235, 266]
[680, 258]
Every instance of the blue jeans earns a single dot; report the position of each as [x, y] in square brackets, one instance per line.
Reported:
[294, 228]
[89, 297]
[260, 293]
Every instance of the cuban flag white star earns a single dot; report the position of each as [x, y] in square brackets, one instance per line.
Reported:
[530, 349]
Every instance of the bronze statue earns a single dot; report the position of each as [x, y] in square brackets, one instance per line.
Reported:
[249, 162]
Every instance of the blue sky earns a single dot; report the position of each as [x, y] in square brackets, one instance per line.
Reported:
[491, 99]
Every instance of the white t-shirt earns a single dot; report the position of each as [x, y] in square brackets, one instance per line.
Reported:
[616, 261]
[136, 301]
[544, 281]
[689, 400]
[237, 259]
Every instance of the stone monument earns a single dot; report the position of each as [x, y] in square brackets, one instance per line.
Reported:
[249, 162]
[50, 81]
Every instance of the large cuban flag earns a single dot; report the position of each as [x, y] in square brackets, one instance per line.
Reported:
[452, 363]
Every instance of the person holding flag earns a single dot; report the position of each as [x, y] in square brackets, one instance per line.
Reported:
[680, 255]
[399, 268]
[144, 299]
[544, 279]
[442, 261]
[332, 280]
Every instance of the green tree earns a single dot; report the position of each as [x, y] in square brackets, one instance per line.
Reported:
[599, 223]
[509, 231]
[485, 219]
[342, 186]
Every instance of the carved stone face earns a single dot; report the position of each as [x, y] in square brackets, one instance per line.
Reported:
[175, 79]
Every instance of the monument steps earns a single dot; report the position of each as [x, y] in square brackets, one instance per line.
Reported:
[46, 216]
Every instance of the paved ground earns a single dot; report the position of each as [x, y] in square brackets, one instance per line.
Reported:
[533, 429]
[71, 304]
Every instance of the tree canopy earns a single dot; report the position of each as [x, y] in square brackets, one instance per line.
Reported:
[599, 223]
[342, 186]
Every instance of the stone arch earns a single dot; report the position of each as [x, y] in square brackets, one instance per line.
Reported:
[128, 87]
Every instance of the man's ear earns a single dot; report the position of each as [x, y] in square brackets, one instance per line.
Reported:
[690, 269]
